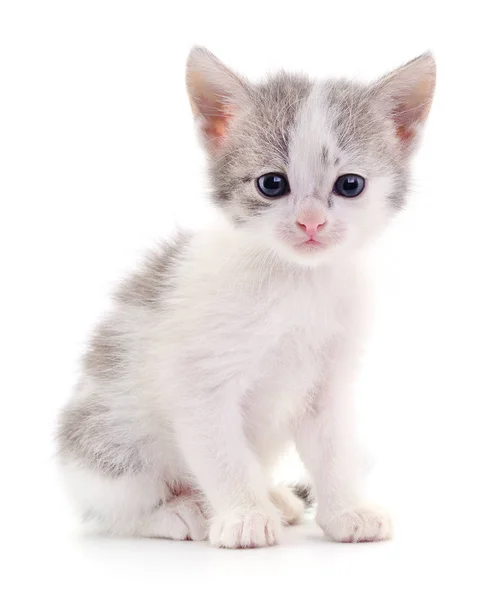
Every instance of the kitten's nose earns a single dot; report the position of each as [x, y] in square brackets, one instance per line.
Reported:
[310, 224]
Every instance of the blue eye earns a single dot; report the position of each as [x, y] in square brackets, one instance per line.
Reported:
[349, 186]
[273, 185]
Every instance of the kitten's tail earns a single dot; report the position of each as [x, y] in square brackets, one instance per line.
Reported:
[304, 491]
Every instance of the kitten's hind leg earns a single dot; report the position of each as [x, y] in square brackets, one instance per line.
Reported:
[181, 518]
[135, 505]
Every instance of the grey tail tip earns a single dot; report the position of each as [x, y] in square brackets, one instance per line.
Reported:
[305, 492]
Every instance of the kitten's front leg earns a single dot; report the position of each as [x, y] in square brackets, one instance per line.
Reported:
[210, 434]
[326, 442]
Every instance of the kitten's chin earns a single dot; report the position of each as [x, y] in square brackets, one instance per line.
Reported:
[307, 254]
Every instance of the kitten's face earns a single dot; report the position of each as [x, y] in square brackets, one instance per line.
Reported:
[310, 168]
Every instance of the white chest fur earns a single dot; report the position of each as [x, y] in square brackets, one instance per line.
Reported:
[263, 329]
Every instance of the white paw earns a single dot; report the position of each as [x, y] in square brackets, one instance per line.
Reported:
[290, 506]
[185, 519]
[362, 524]
[246, 528]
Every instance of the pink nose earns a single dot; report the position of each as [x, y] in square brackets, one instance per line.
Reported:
[311, 225]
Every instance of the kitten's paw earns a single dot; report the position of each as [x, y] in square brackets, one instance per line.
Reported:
[362, 524]
[246, 528]
[290, 506]
[185, 519]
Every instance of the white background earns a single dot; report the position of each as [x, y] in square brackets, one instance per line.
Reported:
[98, 160]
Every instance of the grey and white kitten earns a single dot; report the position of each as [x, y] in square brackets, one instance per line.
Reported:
[231, 343]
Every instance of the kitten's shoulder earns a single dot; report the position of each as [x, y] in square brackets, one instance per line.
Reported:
[146, 285]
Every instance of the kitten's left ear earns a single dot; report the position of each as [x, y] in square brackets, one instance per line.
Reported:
[406, 95]
[216, 95]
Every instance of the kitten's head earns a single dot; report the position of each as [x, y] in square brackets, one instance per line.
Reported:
[309, 167]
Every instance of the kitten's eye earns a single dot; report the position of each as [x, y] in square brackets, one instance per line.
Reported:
[349, 185]
[273, 185]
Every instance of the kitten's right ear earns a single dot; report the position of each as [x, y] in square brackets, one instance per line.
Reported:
[215, 93]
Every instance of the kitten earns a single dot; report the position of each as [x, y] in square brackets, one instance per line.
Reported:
[229, 344]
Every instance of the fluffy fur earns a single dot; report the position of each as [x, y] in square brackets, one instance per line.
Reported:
[228, 345]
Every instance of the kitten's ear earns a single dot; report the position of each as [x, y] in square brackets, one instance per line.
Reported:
[406, 95]
[215, 93]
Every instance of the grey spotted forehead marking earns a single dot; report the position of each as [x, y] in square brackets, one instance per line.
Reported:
[325, 155]
[312, 142]
[339, 119]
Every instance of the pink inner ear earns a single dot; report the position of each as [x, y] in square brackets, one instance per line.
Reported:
[405, 133]
[411, 111]
[217, 116]
[215, 129]
[216, 126]
[404, 123]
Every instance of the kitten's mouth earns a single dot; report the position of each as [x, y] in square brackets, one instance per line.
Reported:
[314, 245]
[311, 245]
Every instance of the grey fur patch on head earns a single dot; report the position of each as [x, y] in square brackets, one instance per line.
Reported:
[364, 133]
[356, 120]
[146, 286]
[258, 139]
[95, 435]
